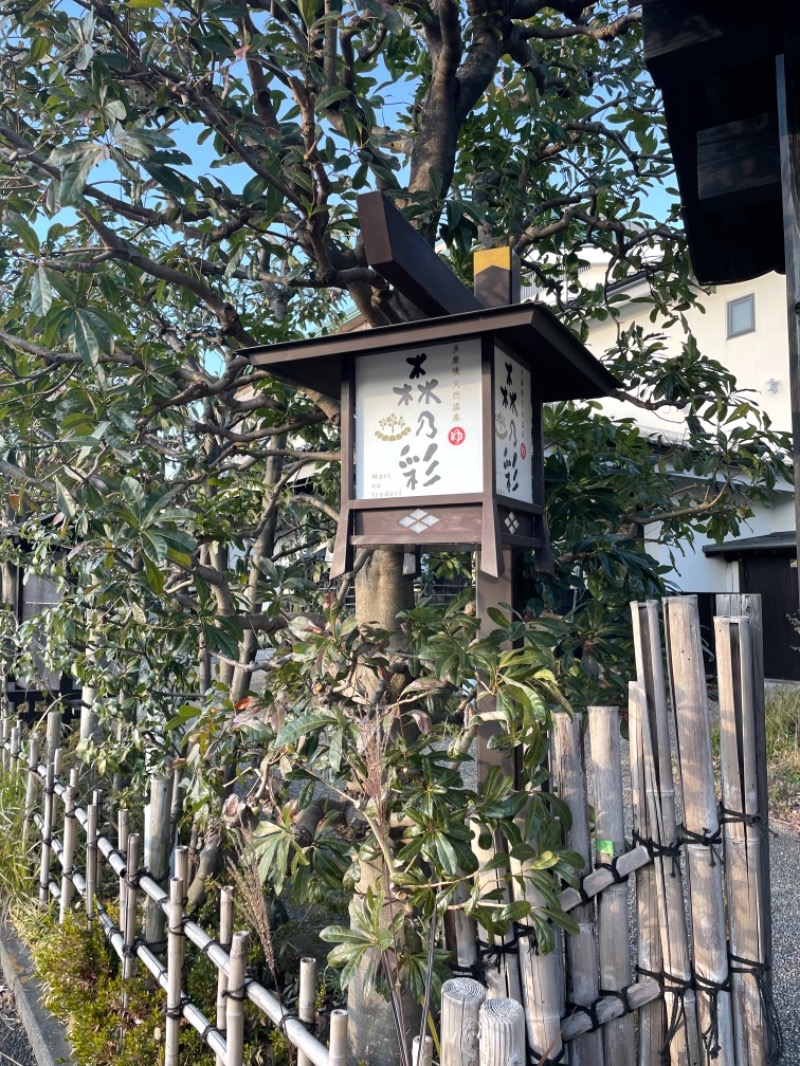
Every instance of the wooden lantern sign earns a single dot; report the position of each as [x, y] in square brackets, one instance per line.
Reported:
[442, 426]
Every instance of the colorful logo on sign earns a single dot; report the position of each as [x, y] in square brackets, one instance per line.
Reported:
[457, 435]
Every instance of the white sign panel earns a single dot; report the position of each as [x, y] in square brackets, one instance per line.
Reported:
[419, 422]
[512, 428]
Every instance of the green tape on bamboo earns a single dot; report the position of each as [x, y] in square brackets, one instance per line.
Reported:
[605, 847]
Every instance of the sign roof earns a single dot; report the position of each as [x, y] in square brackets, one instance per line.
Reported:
[563, 368]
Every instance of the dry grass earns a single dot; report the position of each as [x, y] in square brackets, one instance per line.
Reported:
[783, 754]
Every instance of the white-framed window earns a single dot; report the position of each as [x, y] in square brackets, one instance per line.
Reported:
[741, 315]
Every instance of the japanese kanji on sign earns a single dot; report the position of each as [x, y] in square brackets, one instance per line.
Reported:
[441, 426]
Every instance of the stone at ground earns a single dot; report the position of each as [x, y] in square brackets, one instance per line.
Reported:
[14, 1046]
[785, 860]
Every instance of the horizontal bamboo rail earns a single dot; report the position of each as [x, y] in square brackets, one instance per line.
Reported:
[296, 1033]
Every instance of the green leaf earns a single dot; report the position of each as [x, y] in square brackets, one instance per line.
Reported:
[133, 494]
[24, 230]
[73, 177]
[84, 339]
[41, 293]
[66, 501]
[300, 727]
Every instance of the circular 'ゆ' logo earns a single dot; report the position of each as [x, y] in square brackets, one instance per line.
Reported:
[523, 451]
[457, 435]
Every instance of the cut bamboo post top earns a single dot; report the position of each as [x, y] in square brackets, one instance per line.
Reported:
[462, 999]
[502, 1033]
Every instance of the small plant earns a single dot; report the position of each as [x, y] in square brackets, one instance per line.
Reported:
[83, 988]
[16, 865]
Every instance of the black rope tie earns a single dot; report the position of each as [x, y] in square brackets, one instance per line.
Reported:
[497, 952]
[772, 1022]
[135, 880]
[657, 850]
[209, 1029]
[711, 841]
[712, 989]
[158, 947]
[586, 897]
[590, 1011]
[129, 950]
[240, 997]
[176, 1012]
[611, 866]
[207, 947]
[477, 971]
[622, 994]
[677, 987]
[536, 1058]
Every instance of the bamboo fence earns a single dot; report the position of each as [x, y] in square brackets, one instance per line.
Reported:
[671, 958]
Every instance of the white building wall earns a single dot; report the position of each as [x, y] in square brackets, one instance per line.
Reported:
[759, 362]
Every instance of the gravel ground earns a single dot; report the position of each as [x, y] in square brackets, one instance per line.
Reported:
[785, 866]
[14, 1046]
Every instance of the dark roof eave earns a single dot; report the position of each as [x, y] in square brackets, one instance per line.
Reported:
[568, 370]
[785, 541]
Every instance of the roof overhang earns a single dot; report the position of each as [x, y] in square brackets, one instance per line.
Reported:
[783, 543]
[564, 368]
[715, 63]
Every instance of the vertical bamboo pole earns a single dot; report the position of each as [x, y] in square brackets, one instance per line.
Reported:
[131, 892]
[14, 748]
[122, 848]
[156, 855]
[648, 943]
[462, 999]
[47, 837]
[174, 972]
[541, 976]
[743, 835]
[181, 861]
[91, 855]
[31, 785]
[306, 1006]
[53, 742]
[502, 1033]
[690, 704]
[5, 733]
[422, 1055]
[337, 1048]
[569, 780]
[503, 980]
[649, 703]
[68, 855]
[619, 1043]
[748, 605]
[234, 1021]
[225, 935]
[181, 871]
[461, 932]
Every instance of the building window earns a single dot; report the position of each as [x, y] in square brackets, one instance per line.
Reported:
[741, 315]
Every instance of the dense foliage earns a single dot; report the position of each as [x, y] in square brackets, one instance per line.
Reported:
[179, 181]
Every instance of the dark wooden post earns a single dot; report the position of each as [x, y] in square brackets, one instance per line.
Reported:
[497, 284]
[789, 134]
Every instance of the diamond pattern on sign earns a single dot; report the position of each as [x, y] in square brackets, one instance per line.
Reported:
[512, 524]
[418, 521]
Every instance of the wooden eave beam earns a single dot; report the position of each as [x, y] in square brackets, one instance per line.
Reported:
[405, 259]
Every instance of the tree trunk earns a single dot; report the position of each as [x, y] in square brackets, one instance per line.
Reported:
[382, 591]
[372, 1031]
